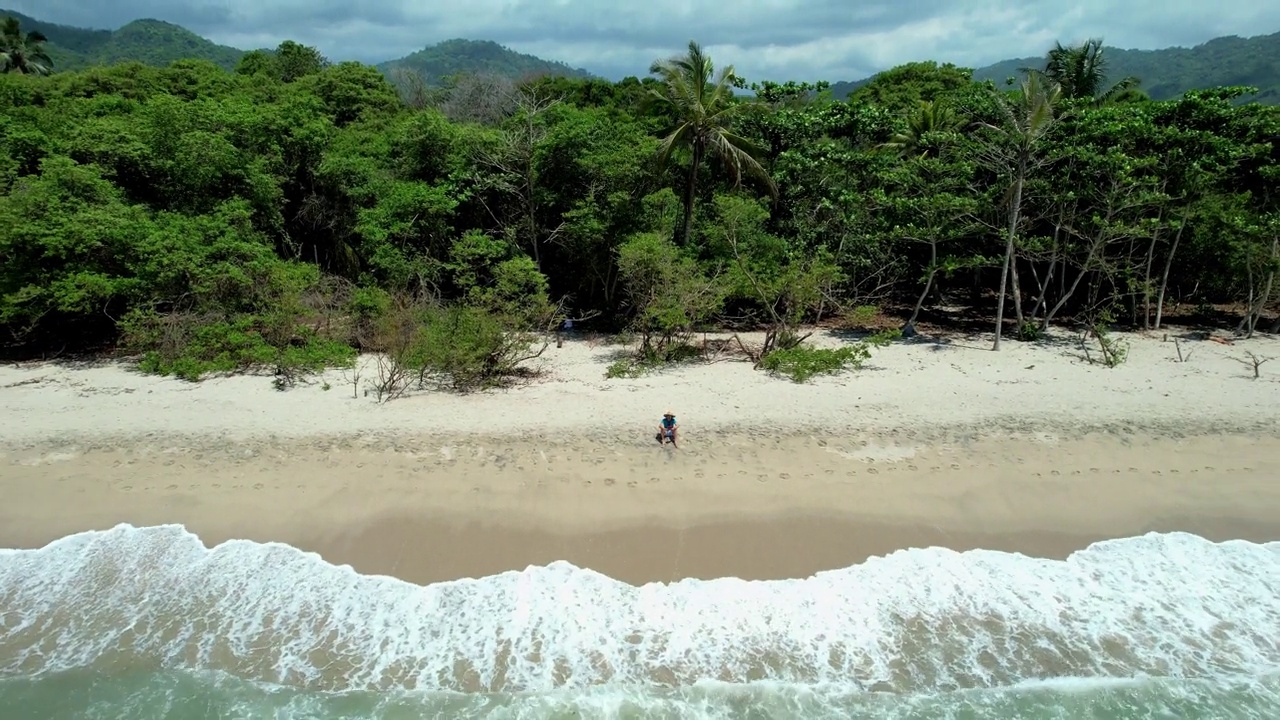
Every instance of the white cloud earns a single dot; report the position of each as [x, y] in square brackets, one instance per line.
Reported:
[775, 39]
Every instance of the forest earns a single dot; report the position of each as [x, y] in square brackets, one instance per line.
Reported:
[292, 212]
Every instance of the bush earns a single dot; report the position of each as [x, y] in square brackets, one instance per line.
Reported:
[802, 363]
[462, 347]
[192, 346]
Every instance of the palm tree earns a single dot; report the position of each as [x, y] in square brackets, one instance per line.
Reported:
[23, 52]
[930, 118]
[1081, 71]
[704, 111]
[1014, 151]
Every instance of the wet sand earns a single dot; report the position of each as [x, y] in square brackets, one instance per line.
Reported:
[430, 508]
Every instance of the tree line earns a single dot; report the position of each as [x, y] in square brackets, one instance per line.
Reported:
[294, 211]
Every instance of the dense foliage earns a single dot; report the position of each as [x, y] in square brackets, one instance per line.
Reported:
[284, 213]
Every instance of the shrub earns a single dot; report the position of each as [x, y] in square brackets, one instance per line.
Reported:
[802, 363]
[462, 347]
[191, 346]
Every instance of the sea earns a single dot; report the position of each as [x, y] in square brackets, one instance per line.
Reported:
[144, 623]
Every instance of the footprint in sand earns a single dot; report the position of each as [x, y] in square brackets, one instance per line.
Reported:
[1093, 470]
[218, 486]
[955, 466]
[912, 468]
[1156, 472]
[610, 482]
[171, 487]
[127, 488]
[654, 479]
[586, 483]
[872, 471]
[784, 476]
[1054, 473]
[258, 486]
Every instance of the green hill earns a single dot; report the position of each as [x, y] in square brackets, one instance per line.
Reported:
[152, 42]
[159, 43]
[453, 57]
[1170, 72]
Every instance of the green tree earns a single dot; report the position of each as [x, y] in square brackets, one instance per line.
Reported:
[704, 109]
[1081, 72]
[932, 123]
[1013, 149]
[23, 52]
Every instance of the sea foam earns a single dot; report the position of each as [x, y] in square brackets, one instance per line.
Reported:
[917, 621]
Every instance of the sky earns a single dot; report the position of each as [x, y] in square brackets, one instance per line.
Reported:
[763, 39]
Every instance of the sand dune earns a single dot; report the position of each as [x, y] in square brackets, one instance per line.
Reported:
[1030, 449]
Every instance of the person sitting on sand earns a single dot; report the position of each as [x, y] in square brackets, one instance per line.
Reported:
[667, 428]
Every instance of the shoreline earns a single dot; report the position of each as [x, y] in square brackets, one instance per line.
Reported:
[1028, 450]
[744, 508]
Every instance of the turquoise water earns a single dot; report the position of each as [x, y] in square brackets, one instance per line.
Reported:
[145, 623]
[181, 695]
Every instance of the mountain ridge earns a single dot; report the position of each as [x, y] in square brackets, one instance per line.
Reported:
[1165, 73]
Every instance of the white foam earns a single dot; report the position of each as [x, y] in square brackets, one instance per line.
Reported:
[1172, 605]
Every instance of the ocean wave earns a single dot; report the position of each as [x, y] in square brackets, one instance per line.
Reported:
[917, 621]
[185, 694]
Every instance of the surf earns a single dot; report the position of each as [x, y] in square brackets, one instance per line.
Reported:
[155, 599]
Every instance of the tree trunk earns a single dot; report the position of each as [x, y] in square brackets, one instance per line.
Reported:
[1014, 211]
[691, 193]
[1146, 280]
[1164, 278]
[928, 283]
[1255, 309]
[1042, 302]
[1016, 288]
[1066, 294]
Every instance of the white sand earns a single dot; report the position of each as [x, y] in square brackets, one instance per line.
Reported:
[1030, 449]
[918, 387]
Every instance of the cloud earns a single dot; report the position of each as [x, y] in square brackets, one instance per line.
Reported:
[774, 39]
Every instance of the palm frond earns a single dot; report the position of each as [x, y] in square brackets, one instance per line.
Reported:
[678, 137]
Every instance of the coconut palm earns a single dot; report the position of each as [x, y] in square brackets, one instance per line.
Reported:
[704, 109]
[1013, 150]
[23, 52]
[930, 118]
[1081, 71]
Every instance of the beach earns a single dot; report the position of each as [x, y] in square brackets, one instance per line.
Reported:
[1029, 449]
[554, 492]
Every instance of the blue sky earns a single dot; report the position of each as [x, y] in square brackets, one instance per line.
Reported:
[764, 39]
